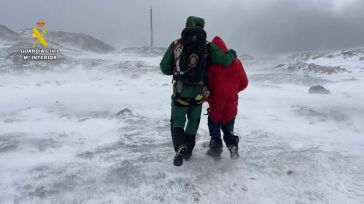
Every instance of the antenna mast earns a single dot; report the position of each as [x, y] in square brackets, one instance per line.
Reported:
[151, 27]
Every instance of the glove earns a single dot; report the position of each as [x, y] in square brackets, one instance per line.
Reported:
[232, 52]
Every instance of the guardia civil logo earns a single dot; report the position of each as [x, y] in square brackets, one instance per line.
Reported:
[39, 49]
[39, 34]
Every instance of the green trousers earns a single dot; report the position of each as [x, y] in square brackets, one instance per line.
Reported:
[193, 115]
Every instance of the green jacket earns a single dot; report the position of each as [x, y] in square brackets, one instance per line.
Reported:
[216, 56]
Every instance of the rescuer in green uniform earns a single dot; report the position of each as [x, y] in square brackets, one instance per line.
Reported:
[187, 59]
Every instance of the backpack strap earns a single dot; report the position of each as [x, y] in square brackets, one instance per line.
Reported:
[208, 63]
[207, 47]
[177, 52]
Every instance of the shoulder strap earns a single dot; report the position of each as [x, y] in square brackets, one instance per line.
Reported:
[177, 51]
[208, 63]
[207, 49]
[177, 43]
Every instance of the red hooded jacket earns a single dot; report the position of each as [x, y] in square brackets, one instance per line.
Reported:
[224, 84]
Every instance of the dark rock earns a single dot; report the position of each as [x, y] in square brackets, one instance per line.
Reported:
[124, 113]
[318, 90]
[318, 56]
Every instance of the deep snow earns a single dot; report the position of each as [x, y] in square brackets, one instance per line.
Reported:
[98, 132]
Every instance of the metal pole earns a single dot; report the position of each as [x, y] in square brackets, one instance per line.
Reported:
[151, 27]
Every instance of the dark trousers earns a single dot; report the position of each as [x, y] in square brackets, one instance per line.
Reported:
[180, 134]
[227, 129]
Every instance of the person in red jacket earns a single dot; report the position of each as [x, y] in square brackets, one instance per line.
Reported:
[224, 84]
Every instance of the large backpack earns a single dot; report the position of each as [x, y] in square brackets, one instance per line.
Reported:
[190, 56]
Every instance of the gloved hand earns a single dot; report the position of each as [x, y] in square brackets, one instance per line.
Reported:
[232, 52]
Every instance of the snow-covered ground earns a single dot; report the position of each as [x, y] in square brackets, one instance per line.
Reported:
[99, 133]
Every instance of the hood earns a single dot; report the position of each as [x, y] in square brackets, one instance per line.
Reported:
[220, 43]
[193, 21]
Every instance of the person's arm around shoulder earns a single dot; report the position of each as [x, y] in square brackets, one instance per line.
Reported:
[166, 64]
[219, 57]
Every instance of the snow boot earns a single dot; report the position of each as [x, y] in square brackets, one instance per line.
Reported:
[180, 153]
[234, 152]
[215, 148]
[232, 143]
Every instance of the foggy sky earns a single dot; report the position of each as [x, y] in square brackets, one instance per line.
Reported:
[249, 26]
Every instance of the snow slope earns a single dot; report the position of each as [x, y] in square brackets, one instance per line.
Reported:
[98, 132]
